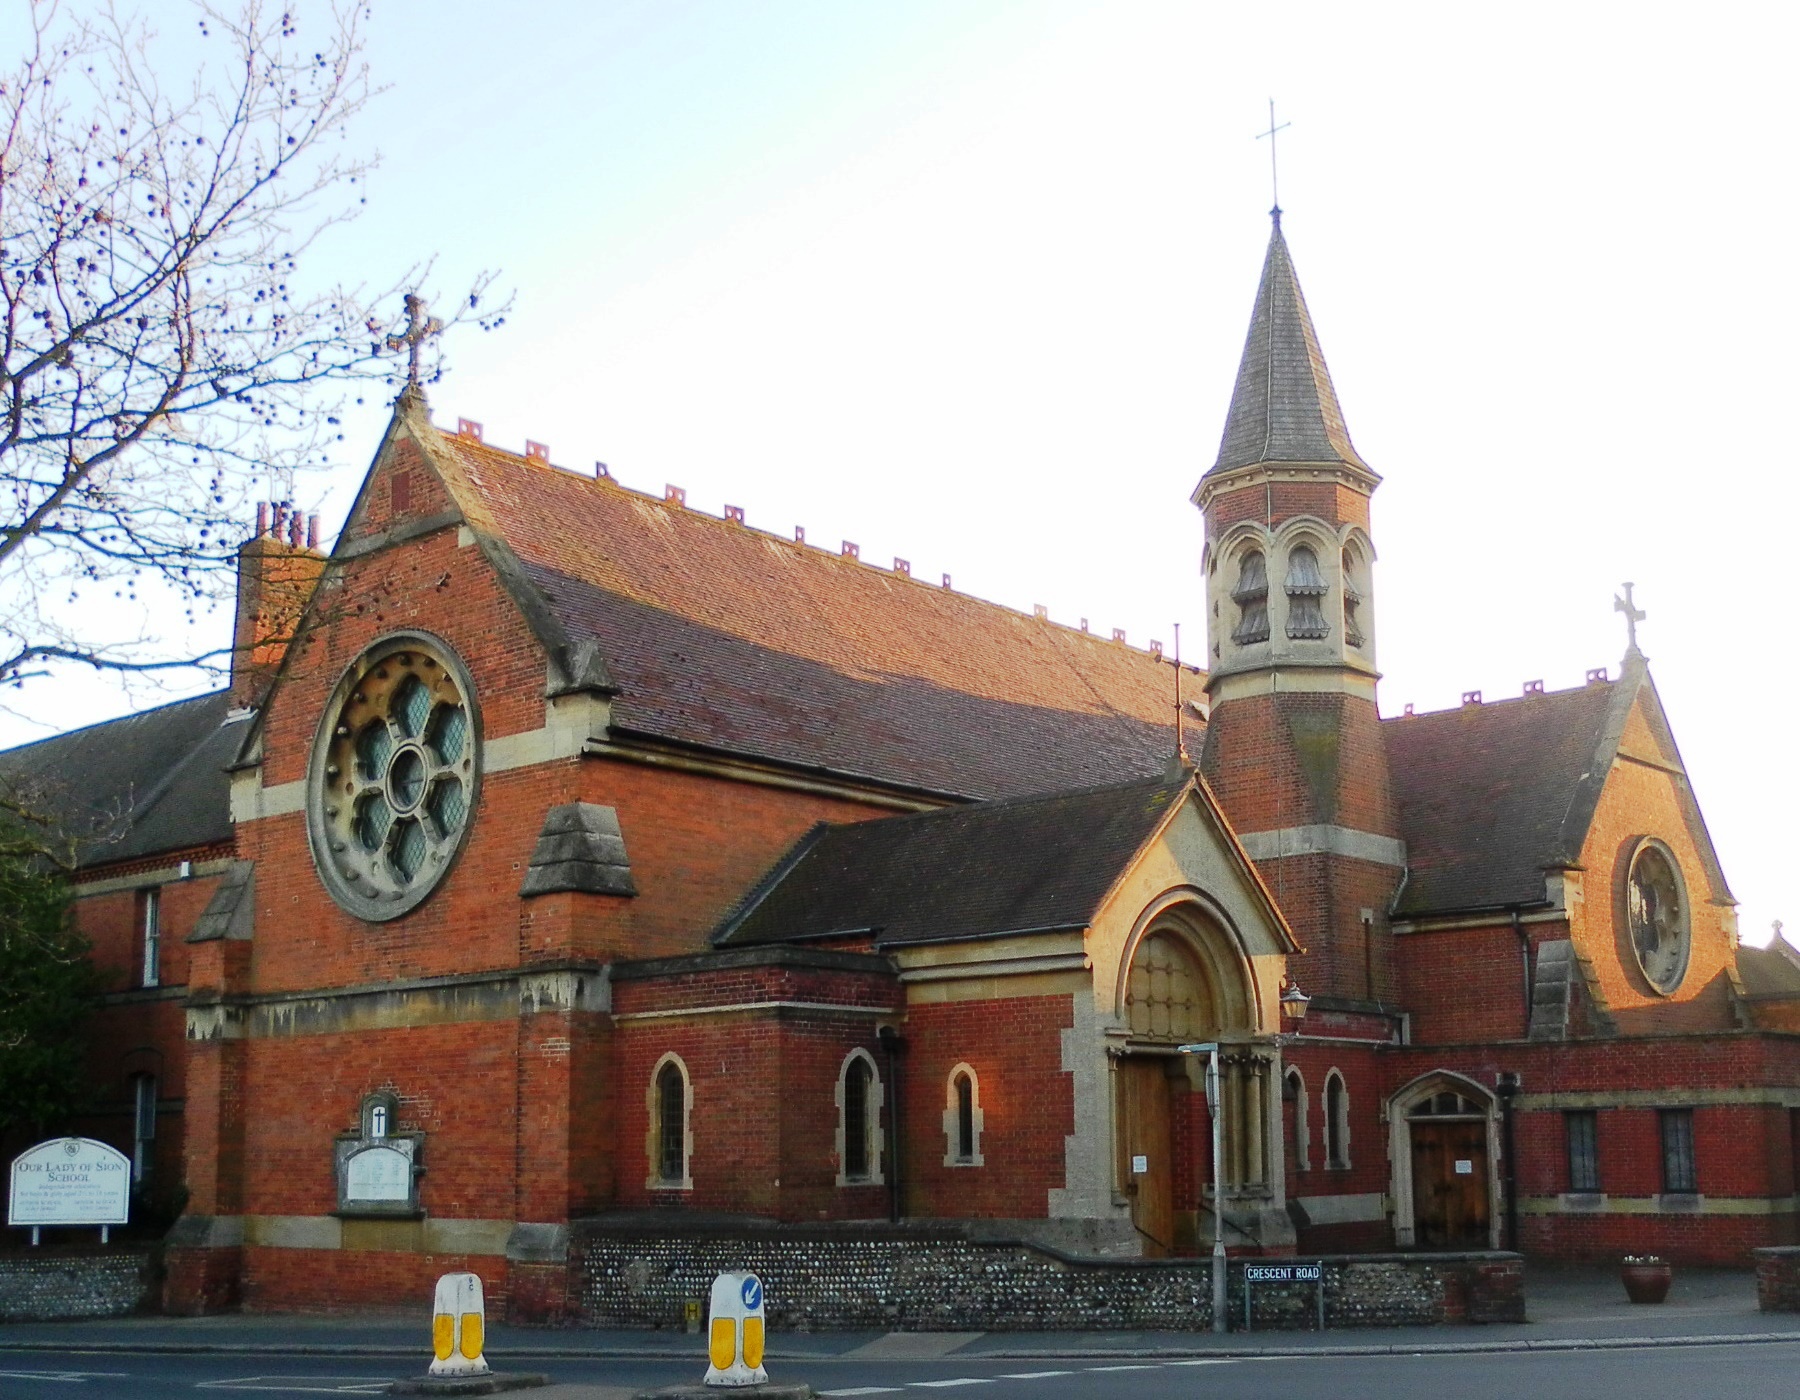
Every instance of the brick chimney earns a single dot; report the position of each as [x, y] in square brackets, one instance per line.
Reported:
[278, 568]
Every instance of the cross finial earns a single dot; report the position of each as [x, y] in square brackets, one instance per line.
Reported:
[1274, 181]
[1633, 615]
[419, 329]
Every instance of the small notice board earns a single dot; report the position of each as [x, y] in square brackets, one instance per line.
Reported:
[69, 1181]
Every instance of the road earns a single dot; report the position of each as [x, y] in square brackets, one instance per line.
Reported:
[1641, 1373]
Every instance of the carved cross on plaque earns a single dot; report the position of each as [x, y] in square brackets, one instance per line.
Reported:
[419, 329]
[1633, 616]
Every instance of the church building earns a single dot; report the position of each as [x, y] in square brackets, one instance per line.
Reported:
[588, 858]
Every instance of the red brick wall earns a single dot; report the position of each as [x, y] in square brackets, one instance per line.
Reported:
[1015, 1048]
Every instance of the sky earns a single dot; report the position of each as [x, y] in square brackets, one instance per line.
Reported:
[966, 282]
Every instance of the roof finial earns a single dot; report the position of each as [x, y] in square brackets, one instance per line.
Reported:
[419, 329]
[1274, 181]
[1633, 616]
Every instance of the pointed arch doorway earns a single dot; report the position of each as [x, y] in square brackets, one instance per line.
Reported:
[1444, 1148]
[1183, 983]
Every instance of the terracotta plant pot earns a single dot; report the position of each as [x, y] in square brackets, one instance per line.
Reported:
[1646, 1283]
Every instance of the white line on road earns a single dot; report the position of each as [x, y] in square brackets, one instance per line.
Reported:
[1033, 1375]
[303, 1385]
[945, 1385]
[1140, 1366]
[865, 1390]
[68, 1377]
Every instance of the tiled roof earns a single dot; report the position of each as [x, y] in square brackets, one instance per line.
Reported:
[135, 786]
[1283, 408]
[1025, 865]
[1491, 795]
[1770, 972]
[716, 634]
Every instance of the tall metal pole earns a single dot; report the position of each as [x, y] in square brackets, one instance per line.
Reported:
[1218, 1146]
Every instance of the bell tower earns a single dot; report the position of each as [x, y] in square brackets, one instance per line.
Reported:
[1293, 747]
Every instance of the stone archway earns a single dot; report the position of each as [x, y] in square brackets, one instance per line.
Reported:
[1185, 980]
[1444, 1152]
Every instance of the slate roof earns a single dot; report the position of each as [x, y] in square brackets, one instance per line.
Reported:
[1283, 408]
[716, 634]
[1772, 972]
[135, 786]
[1026, 865]
[1490, 795]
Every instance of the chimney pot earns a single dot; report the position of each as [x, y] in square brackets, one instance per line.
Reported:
[262, 518]
[312, 530]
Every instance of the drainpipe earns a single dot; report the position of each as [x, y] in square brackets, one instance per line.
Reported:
[892, 1045]
[1524, 962]
[1506, 1086]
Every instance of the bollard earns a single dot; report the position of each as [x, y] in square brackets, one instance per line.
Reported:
[458, 1325]
[735, 1333]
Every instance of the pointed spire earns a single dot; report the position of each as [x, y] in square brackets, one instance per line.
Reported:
[1284, 408]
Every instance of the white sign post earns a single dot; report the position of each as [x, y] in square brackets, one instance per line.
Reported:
[70, 1181]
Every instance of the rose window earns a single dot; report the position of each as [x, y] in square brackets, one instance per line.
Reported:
[394, 771]
[1658, 916]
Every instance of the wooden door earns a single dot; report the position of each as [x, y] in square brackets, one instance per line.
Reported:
[1450, 1184]
[1146, 1149]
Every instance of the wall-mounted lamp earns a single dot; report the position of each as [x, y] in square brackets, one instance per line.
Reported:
[1294, 1003]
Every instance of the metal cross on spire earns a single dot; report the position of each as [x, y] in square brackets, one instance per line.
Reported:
[1633, 615]
[419, 329]
[1274, 180]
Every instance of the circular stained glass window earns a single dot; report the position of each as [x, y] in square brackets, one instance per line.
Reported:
[393, 776]
[1658, 914]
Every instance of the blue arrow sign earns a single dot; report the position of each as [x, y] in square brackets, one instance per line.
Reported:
[752, 1293]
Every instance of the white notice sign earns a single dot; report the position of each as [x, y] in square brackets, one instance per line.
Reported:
[70, 1181]
[378, 1174]
[1140, 1165]
[1465, 1167]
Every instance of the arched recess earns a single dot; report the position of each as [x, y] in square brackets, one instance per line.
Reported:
[1182, 937]
[1294, 1116]
[1444, 1150]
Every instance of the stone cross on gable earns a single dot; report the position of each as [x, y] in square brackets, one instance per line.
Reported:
[1633, 616]
[419, 329]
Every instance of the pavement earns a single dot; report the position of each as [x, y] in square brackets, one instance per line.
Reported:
[1569, 1310]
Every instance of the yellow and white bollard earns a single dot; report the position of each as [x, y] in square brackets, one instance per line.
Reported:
[735, 1334]
[458, 1325]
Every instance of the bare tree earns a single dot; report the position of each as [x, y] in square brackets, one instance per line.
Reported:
[159, 362]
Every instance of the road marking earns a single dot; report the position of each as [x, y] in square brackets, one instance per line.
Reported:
[1208, 1361]
[1033, 1375]
[1141, 1366]
[945, 1385]
[865, 1390]
[67, 1377]
[304, 1385]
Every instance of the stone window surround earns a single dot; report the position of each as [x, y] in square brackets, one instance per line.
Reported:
[872, 1126]
[952, 1116]
[1335, 1121]
[1639, 848]
[655, 1180]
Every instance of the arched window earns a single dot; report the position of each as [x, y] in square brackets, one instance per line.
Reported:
[859, 1135]
[1293, 1093]
[1252, 597]
[963, 1119]
[1353, 633]
[378, 1114]
[670, 1144]
[143, 1126]
[1306, 589]
[1337, 1122]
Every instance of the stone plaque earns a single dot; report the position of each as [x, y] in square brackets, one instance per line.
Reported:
[378, 1174]
[70, 1181]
